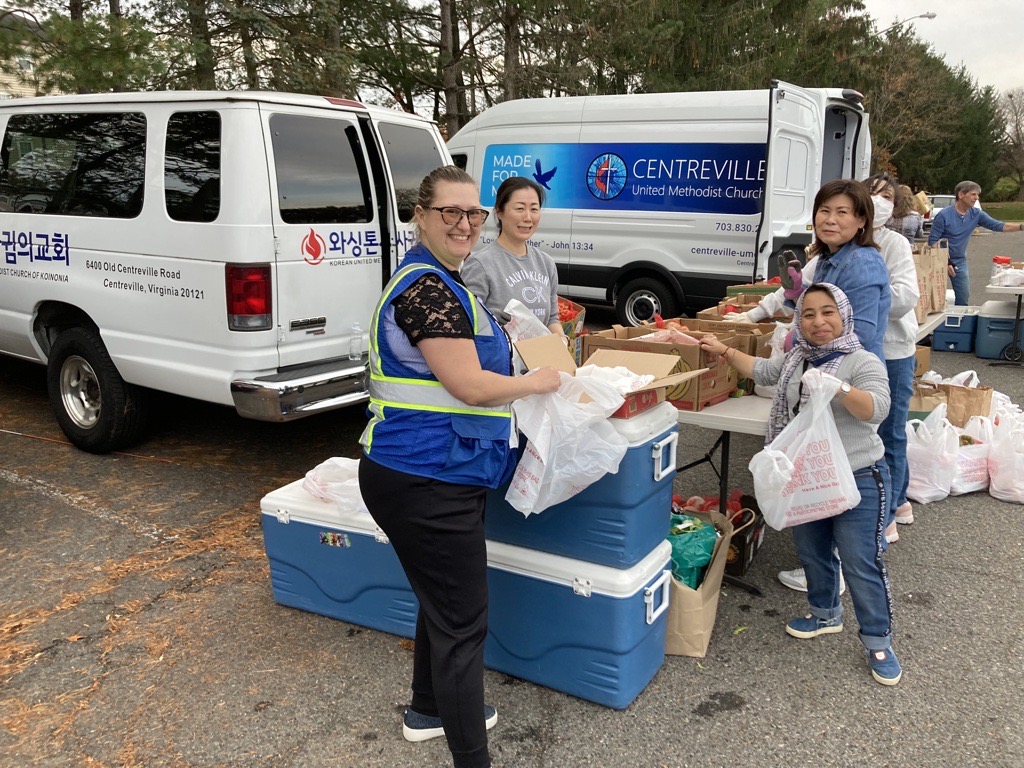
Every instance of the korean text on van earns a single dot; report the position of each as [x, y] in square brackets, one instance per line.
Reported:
[656, 202]
[228, 247]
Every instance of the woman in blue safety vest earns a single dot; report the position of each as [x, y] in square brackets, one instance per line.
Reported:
[440, 424]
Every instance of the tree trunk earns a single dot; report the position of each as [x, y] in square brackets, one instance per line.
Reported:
[510, 31]
[449, 68]
[202, 43]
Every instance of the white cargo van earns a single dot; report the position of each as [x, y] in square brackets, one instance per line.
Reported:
[656, 202]
[224, 246]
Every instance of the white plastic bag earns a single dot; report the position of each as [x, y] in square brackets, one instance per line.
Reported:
[1006, 459]
[932, 450]
[523, 324]
[964, 379]
[336, 480]
[972, 460]
[571, 444]
[804, 474]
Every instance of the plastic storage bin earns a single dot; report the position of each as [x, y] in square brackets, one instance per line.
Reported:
[995, 329]
[619, 519]
[958, 329]
[335, 563]
[589, 630]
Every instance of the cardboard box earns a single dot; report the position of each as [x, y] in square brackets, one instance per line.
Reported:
[550, 350]
[573, 328]
[923, 355]
[717, 382]
[758, 289]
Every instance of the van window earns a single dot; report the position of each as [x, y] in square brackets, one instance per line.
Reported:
[74, 164]
[412, 153]
[192, 166]
[461, 159]
[321, 176]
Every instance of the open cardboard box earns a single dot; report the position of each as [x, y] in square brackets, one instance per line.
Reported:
[716, 384]
[550, 350]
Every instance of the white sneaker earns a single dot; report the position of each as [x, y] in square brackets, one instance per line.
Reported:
[796, 579]
[905, 514]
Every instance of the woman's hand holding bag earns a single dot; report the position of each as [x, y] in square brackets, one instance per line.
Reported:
[804, 474]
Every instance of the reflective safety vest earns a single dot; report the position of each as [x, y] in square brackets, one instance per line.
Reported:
[416, 426]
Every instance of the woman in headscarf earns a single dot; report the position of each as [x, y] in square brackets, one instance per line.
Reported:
[825, 342]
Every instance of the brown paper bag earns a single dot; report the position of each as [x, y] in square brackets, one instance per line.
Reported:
[691, 612]
[926, 398]
[964, 402]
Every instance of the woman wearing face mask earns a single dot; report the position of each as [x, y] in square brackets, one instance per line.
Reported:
[510, 267]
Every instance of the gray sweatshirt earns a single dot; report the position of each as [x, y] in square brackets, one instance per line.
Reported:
[864, 371]
[496, 276]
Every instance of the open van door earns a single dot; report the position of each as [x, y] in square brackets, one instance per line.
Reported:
[793, 168]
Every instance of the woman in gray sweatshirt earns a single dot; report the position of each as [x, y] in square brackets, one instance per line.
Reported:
[825, 340]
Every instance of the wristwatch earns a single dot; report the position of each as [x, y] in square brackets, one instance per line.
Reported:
[844, 390]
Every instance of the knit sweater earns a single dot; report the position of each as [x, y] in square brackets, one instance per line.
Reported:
[863, 370]
[496, 276]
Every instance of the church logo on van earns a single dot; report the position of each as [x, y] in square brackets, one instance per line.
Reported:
[607, 176]
[314, 248]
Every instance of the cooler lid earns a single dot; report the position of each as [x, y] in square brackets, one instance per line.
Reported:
[648, 424]
[600, 579]
[999, 309]
[293, 503]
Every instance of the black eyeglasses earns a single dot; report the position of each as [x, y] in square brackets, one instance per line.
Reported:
[451, 215]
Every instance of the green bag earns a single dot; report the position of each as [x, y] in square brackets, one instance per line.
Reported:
[693, 544]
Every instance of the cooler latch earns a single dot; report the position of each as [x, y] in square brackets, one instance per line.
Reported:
[664, 585]
[283, 516]
[582, 587]
[664, 465]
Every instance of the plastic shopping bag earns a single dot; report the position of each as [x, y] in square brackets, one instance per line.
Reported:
[804, 473]
[1006, 459]
[693, 543]
[932, 450]
[336, 480]
[972, 457]
[523, 324]
[571, 444]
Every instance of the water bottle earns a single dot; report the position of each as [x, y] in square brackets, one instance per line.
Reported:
[355, 343]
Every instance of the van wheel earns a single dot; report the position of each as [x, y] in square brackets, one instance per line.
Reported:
[97, 409]
[641, 299]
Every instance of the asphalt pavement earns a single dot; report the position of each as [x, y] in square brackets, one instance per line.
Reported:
[138, 628]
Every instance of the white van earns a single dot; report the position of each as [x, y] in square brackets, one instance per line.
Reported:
[656, 202]
[224, 246]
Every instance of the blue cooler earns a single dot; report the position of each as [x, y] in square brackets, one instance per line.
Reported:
[958, 329]
[589, 630]
[618, 520]
[334, 562]
[995, 328]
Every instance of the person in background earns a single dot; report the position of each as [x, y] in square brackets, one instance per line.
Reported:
[509, 267]
[826, 345]
[438, 437]
[956, 223]
[905, 220]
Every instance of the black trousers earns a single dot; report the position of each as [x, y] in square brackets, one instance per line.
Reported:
[437, 530]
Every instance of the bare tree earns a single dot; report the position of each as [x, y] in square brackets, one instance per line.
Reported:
[1011, 105]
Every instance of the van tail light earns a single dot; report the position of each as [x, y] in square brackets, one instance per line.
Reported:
[248, 296]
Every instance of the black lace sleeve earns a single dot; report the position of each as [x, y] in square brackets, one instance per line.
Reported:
[429, 310]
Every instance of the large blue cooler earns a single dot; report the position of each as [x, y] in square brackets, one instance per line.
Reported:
[958, 329]
[616, 521]
[334, 562]
[995, 329]
[589, 630]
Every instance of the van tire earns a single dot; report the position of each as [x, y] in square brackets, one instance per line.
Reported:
[640, 299]
[97, 409]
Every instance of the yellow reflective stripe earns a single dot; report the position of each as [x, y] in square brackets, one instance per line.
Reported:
[439, 409]
[397, 380]
[384, 299]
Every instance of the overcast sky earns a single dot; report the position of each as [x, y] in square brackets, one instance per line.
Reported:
[985, 35]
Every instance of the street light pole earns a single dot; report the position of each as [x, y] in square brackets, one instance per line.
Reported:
[926, 15]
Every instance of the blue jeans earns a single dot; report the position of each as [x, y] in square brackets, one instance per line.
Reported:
[893, 431]
[961, 282]
[858, 534]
